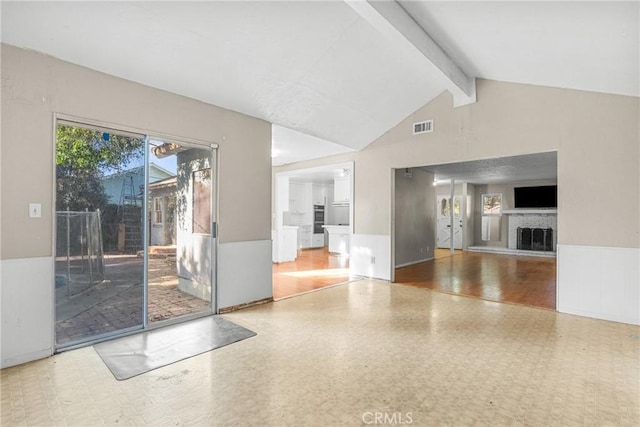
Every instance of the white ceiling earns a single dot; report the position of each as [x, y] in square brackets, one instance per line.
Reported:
[321, 174]
[585, 45]
[529, 167]
[320, 68]
[290, 146]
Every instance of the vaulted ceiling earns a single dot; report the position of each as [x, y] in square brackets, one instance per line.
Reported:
[341, 73]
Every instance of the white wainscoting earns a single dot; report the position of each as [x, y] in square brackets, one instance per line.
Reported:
[599, 282]
[26, 301]
[244, 272]
[366, 248]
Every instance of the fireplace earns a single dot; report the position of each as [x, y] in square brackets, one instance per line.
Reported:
[532, 219]
[535, 239]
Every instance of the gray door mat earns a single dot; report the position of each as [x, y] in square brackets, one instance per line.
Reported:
[136, 354]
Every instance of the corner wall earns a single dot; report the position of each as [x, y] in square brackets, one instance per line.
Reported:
[34, 87]
[414, 217]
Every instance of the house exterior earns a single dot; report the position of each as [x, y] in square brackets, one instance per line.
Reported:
[162, 195]
[130, 183]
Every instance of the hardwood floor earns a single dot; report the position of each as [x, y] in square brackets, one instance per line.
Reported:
[504, 278]
[445, 253]
[313, 269]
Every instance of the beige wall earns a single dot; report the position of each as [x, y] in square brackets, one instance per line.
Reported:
[414, 216]
[596, 137]
[35, 86]
[445, 189]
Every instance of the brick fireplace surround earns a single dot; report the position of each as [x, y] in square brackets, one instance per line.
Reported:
[530, 220]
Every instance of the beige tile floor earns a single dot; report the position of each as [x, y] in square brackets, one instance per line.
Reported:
[359, 354]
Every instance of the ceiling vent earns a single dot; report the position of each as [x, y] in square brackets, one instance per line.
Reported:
[423, 127]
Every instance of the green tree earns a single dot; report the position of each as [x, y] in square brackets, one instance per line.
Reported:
[82, 158]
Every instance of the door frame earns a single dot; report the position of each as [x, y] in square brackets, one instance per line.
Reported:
[214, 209]
[459, 217]
[126, 130]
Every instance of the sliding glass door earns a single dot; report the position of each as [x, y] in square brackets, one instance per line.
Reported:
[135, 224]
[181, 221]
[99, 269]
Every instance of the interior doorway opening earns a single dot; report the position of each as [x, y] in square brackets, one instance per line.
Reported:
[313, 223]
[480, 229]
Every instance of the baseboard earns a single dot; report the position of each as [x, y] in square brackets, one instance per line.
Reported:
[244, 305]
[407, 264]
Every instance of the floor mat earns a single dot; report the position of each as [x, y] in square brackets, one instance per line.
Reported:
[136, 354]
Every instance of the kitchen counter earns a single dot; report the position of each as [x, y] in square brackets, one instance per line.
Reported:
[337, 229]
[339, 236]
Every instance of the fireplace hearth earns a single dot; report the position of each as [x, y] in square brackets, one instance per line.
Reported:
[535, 239]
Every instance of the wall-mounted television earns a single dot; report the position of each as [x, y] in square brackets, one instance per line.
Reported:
[536, 197]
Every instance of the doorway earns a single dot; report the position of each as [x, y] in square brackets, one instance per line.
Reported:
[313, 223]
[135, 232]
[486, 260]
[445, 224]
[181, 222]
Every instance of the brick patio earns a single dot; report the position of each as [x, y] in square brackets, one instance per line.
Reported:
[116, 303]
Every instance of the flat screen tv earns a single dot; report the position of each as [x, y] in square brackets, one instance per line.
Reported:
[536, 197]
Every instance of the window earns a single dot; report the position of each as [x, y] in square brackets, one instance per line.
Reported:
[445, 206]
[202, 201]
[157, 211]
[492, 204]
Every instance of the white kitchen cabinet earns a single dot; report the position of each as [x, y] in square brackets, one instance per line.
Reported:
[319, 194]
[296, 196]
[300, 197]
[304, 237]
[317, 240]
[307, 202]
[285, 246]
[341, 190]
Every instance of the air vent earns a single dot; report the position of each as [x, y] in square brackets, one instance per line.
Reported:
[423, 127]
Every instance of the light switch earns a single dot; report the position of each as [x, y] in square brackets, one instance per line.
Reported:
[35, 210]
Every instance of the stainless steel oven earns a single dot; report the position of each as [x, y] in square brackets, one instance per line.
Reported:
[318, 219]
